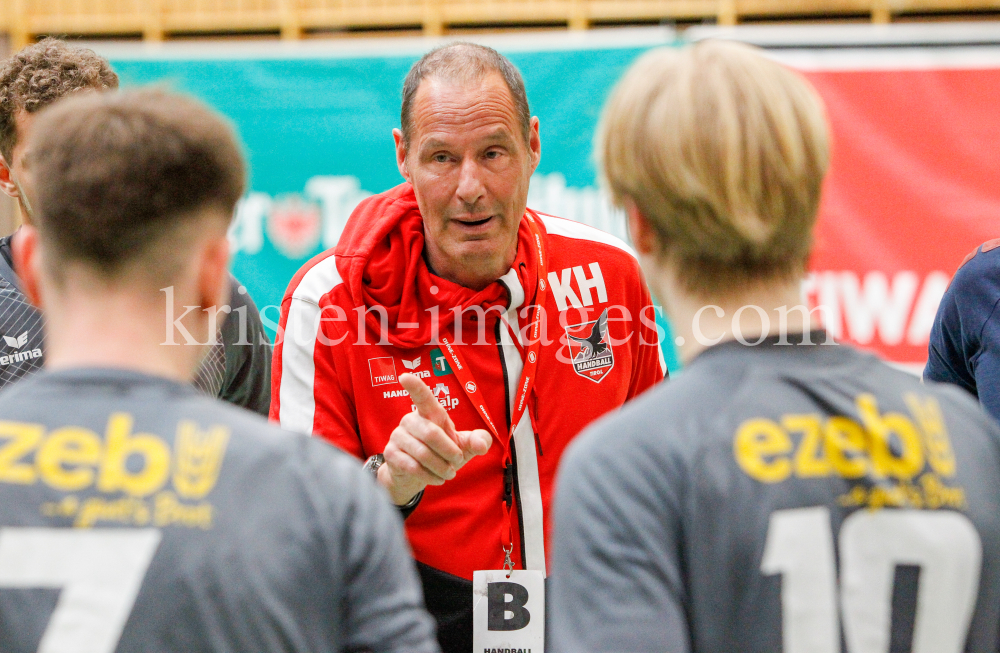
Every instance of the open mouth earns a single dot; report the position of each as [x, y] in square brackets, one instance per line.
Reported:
[476, 223]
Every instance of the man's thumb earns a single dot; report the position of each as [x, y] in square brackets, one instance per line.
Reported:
[475, 443]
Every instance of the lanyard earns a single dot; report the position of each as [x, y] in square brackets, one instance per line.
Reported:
[524, 386]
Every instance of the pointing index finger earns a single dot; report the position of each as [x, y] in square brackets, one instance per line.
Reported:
[427, 406]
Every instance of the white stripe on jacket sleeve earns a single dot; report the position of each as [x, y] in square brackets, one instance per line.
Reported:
[297, 401]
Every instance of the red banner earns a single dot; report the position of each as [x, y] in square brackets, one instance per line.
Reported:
[914, 186]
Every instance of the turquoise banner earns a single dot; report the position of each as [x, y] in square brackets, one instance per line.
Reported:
[317, 128]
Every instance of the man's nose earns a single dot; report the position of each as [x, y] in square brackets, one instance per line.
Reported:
[470, 183]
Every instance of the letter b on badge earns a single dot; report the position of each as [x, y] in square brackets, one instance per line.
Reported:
[508, 613]
[506, 599]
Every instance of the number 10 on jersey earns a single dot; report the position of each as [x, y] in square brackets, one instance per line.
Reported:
[943, 545]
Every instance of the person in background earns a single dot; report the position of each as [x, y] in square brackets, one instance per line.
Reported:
[133, 516]
[237, 368]
[964, 346]
[784, 493]
[450, 316]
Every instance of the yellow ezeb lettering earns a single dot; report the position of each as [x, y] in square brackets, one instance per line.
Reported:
[120, 446]
[760, 447]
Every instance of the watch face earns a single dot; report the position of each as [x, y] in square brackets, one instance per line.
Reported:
[374, 462]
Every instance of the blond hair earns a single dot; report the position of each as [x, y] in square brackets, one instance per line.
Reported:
[723, 151]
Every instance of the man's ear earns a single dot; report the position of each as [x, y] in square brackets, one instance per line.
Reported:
[640, 230]
[27, 264]
[397, 136]
[534, 143]
[7, 184]
[213, 273]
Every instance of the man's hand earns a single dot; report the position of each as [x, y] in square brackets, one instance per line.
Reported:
[425, 449]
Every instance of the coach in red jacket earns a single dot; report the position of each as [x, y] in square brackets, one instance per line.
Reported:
[511, 331]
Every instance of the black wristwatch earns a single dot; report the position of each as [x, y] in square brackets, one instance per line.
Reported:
[372, 465]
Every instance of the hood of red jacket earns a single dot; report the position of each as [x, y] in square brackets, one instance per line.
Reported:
[380, 259]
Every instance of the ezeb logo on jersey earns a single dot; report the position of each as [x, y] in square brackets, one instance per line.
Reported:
[911, 453]
[590, 348]
[136, 465]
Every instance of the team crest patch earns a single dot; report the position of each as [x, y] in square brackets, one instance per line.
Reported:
[590, 348]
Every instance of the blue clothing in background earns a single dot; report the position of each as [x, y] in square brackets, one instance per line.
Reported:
[965, 341]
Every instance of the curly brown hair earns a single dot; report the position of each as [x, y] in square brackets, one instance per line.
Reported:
[126, 174]
[42, 73]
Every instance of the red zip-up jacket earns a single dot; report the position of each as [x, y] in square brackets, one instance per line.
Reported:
[355, 317]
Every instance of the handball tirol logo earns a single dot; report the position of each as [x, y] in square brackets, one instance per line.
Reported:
[470, 387]
[590, 348]
[294, 225]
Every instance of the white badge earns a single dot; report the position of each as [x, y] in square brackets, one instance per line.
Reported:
[508, 614]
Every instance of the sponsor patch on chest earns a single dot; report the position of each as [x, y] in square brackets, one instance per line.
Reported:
[383, 370]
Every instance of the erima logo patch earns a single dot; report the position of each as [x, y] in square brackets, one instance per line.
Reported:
[412, 367]
[17, 342]
[590, 349]
[20, 356]
[383, 370]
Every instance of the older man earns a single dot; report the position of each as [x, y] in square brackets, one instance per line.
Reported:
[236, 368]
[782, 495]
[504, 326]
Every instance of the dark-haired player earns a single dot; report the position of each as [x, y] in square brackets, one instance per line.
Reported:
[237, 368]
[964, 347]
[137, 514]
[783, 493]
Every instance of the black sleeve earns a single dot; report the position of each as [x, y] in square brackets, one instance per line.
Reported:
[248, 354]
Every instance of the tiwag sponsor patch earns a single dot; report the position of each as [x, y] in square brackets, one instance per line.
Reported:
[383, 370]
[590, 348]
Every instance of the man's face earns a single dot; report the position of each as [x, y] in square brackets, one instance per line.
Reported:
[470, 167]
[16, 179]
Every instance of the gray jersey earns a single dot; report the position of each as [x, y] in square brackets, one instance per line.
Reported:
[781, 498]
[138, 515]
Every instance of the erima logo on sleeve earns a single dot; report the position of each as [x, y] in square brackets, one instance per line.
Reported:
[18, 356]
[17, 342]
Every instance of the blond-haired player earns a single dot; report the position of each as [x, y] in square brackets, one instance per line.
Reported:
[784, 493]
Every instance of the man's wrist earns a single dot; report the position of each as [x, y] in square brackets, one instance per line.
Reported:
[402, 500]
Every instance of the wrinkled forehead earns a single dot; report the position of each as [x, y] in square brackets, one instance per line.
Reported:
[446, 107]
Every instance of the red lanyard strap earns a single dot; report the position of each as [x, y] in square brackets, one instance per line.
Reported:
[528, 374]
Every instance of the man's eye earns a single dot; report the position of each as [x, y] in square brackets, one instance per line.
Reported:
[441, 158]
[493, 154]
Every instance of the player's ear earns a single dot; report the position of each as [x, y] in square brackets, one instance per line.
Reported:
[7, 184]
[640, 230]
[213, 273]
[397, 137]
[27, 263]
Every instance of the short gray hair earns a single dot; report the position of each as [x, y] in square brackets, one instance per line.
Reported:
[464, 63]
